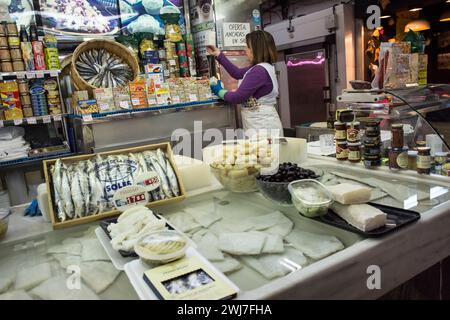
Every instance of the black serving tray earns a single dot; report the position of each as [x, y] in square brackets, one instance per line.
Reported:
[126, 254]
[396, 218]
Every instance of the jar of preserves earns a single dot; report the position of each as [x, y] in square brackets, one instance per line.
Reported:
[420, 144]
[341, 150]
[424, 160]
[372, 128]
[353, 131]
[397, 135]
[354, 152]
[412, 160]
[440, 158]
[398, 158]
[340, 130]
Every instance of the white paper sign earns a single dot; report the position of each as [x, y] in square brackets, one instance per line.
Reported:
[18, 121]
[87, 117]
[234, 34]
[39, 74]
[135, 101]
[130, 196]
[124, 104]
[47, 119]
[193, 97]
[31, 120]
[57, 117]
[149, 180]
[30, 75]
[103, 106]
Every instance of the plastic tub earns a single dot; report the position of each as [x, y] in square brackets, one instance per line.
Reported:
[161, 246]
[310, 197]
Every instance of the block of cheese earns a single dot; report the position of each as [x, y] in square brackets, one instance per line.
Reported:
[361, 216]
[347, 193]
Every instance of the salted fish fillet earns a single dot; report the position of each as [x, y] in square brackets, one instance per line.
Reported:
[183, 221]
[208, 246]
[56, 289]
[278, 264]
[264, 221]
[205, 219]
[16, 295]
[30, 277]
[282, 228]
[99, 275]
[273, 243]
[315, 246]
[242, 243]
[93, 251]
[6, 282]
[73, 248]
[228, 264]
[66, 260]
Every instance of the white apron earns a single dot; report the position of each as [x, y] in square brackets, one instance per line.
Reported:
[262, 114]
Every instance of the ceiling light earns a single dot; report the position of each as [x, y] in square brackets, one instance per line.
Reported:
[445, 16]
[387, 16]
[415, 9]
[417, 25]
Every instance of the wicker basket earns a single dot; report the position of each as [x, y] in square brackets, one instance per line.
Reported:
[112, 47]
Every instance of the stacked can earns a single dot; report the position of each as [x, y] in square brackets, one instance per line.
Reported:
[183, 59]
[341, 140]
[172, 63]
[353, 142]
[372, 144]
[191, 55]
[25, 98]
[38, 98]
[5, 56]
[51, 53]
[398, 153]
[10, 53]
[52, 94]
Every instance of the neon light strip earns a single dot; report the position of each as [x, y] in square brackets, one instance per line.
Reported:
[305, 62]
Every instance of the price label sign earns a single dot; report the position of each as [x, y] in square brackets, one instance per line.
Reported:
[20, 75]
[124, 104]
[53, 73]
[57, 117]
[46, 119]
[103, 106]
[39, 74]
[130, 196]
[18, 122]
[135, 101]
[87, 117]
[30, 75]
[193, 97]
[31, 120]
[149, 180]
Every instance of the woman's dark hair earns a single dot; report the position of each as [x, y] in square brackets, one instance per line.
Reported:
[263, 47]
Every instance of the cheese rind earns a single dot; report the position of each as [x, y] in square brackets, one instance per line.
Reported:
[347, 193]
[361, 216]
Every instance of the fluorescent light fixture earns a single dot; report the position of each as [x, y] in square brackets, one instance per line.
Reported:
[445, 16]
[385, 17]
[417, 25]
[415, 9]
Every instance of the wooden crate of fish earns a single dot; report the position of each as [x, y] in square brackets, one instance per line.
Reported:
[81, 188]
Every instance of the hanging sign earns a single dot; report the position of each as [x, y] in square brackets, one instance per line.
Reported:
[234, 34]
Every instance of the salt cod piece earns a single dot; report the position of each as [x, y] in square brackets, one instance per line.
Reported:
[315, 246]
[56, 289]
[242, 243]
[66, 260]
[273, 243]
[228, 264]
[272, 266]
[347, 193]
[361, 216]
[6, 282]
[183, 221]
[99, 275]
[16, 295]
[208, 246]
[30, 277]
[93, 251]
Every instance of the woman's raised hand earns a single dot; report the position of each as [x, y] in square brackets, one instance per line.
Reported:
[213, 50]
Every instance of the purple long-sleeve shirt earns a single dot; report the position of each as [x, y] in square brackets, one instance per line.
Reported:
[257, 82]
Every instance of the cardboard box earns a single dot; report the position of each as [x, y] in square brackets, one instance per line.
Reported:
[86, 219]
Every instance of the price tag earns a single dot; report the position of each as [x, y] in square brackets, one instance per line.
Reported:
[193, 97]
[57, 117]
[166, 73]
[135, 101]
[176, 99]
[130, 196]
[18, 121]
[124, 104]
[103, 106]
[47, 119]
[172, 62]
[31, 120]
[39, 74]
[53, 73]
[30, 75]
[87, 117]
[20, 75]
[149, 180]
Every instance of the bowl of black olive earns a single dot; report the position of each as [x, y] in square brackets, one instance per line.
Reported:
[275, 187]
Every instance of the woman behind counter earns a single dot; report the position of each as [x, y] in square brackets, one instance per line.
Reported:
[258, 85]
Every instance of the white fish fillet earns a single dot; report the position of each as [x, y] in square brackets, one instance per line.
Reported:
[315, 246]
[276, 265]
[183, 221]
[99, 275]
[242, 243]
[208, 246]
[6, 282]
[16, 295]
[264, 222]
[70, 247]
[92, 250]
[273, 243]
[228, 264]
[282, 228]
[56, 289]
[205, 219]
[30, 277]
[198, 235]
[66, 260]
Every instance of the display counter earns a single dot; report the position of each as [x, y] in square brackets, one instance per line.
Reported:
[400, 255]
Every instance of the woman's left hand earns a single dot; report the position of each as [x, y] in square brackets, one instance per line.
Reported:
[215, 88]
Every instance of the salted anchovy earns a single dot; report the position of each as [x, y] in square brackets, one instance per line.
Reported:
[66, 192]
[57, 186]
[162, 175]
[172, 178]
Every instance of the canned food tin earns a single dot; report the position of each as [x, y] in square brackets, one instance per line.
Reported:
[16, 54]
[25, 98]
[27, 112]
[7, 66]
[23, 86]
[372, 128]
[2, 29]
[14, 42]
[50, 84]
[4, 42]
[11, 28]
[5, 54]
[18, 65]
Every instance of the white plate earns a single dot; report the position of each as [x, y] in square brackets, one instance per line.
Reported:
[136, 268]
